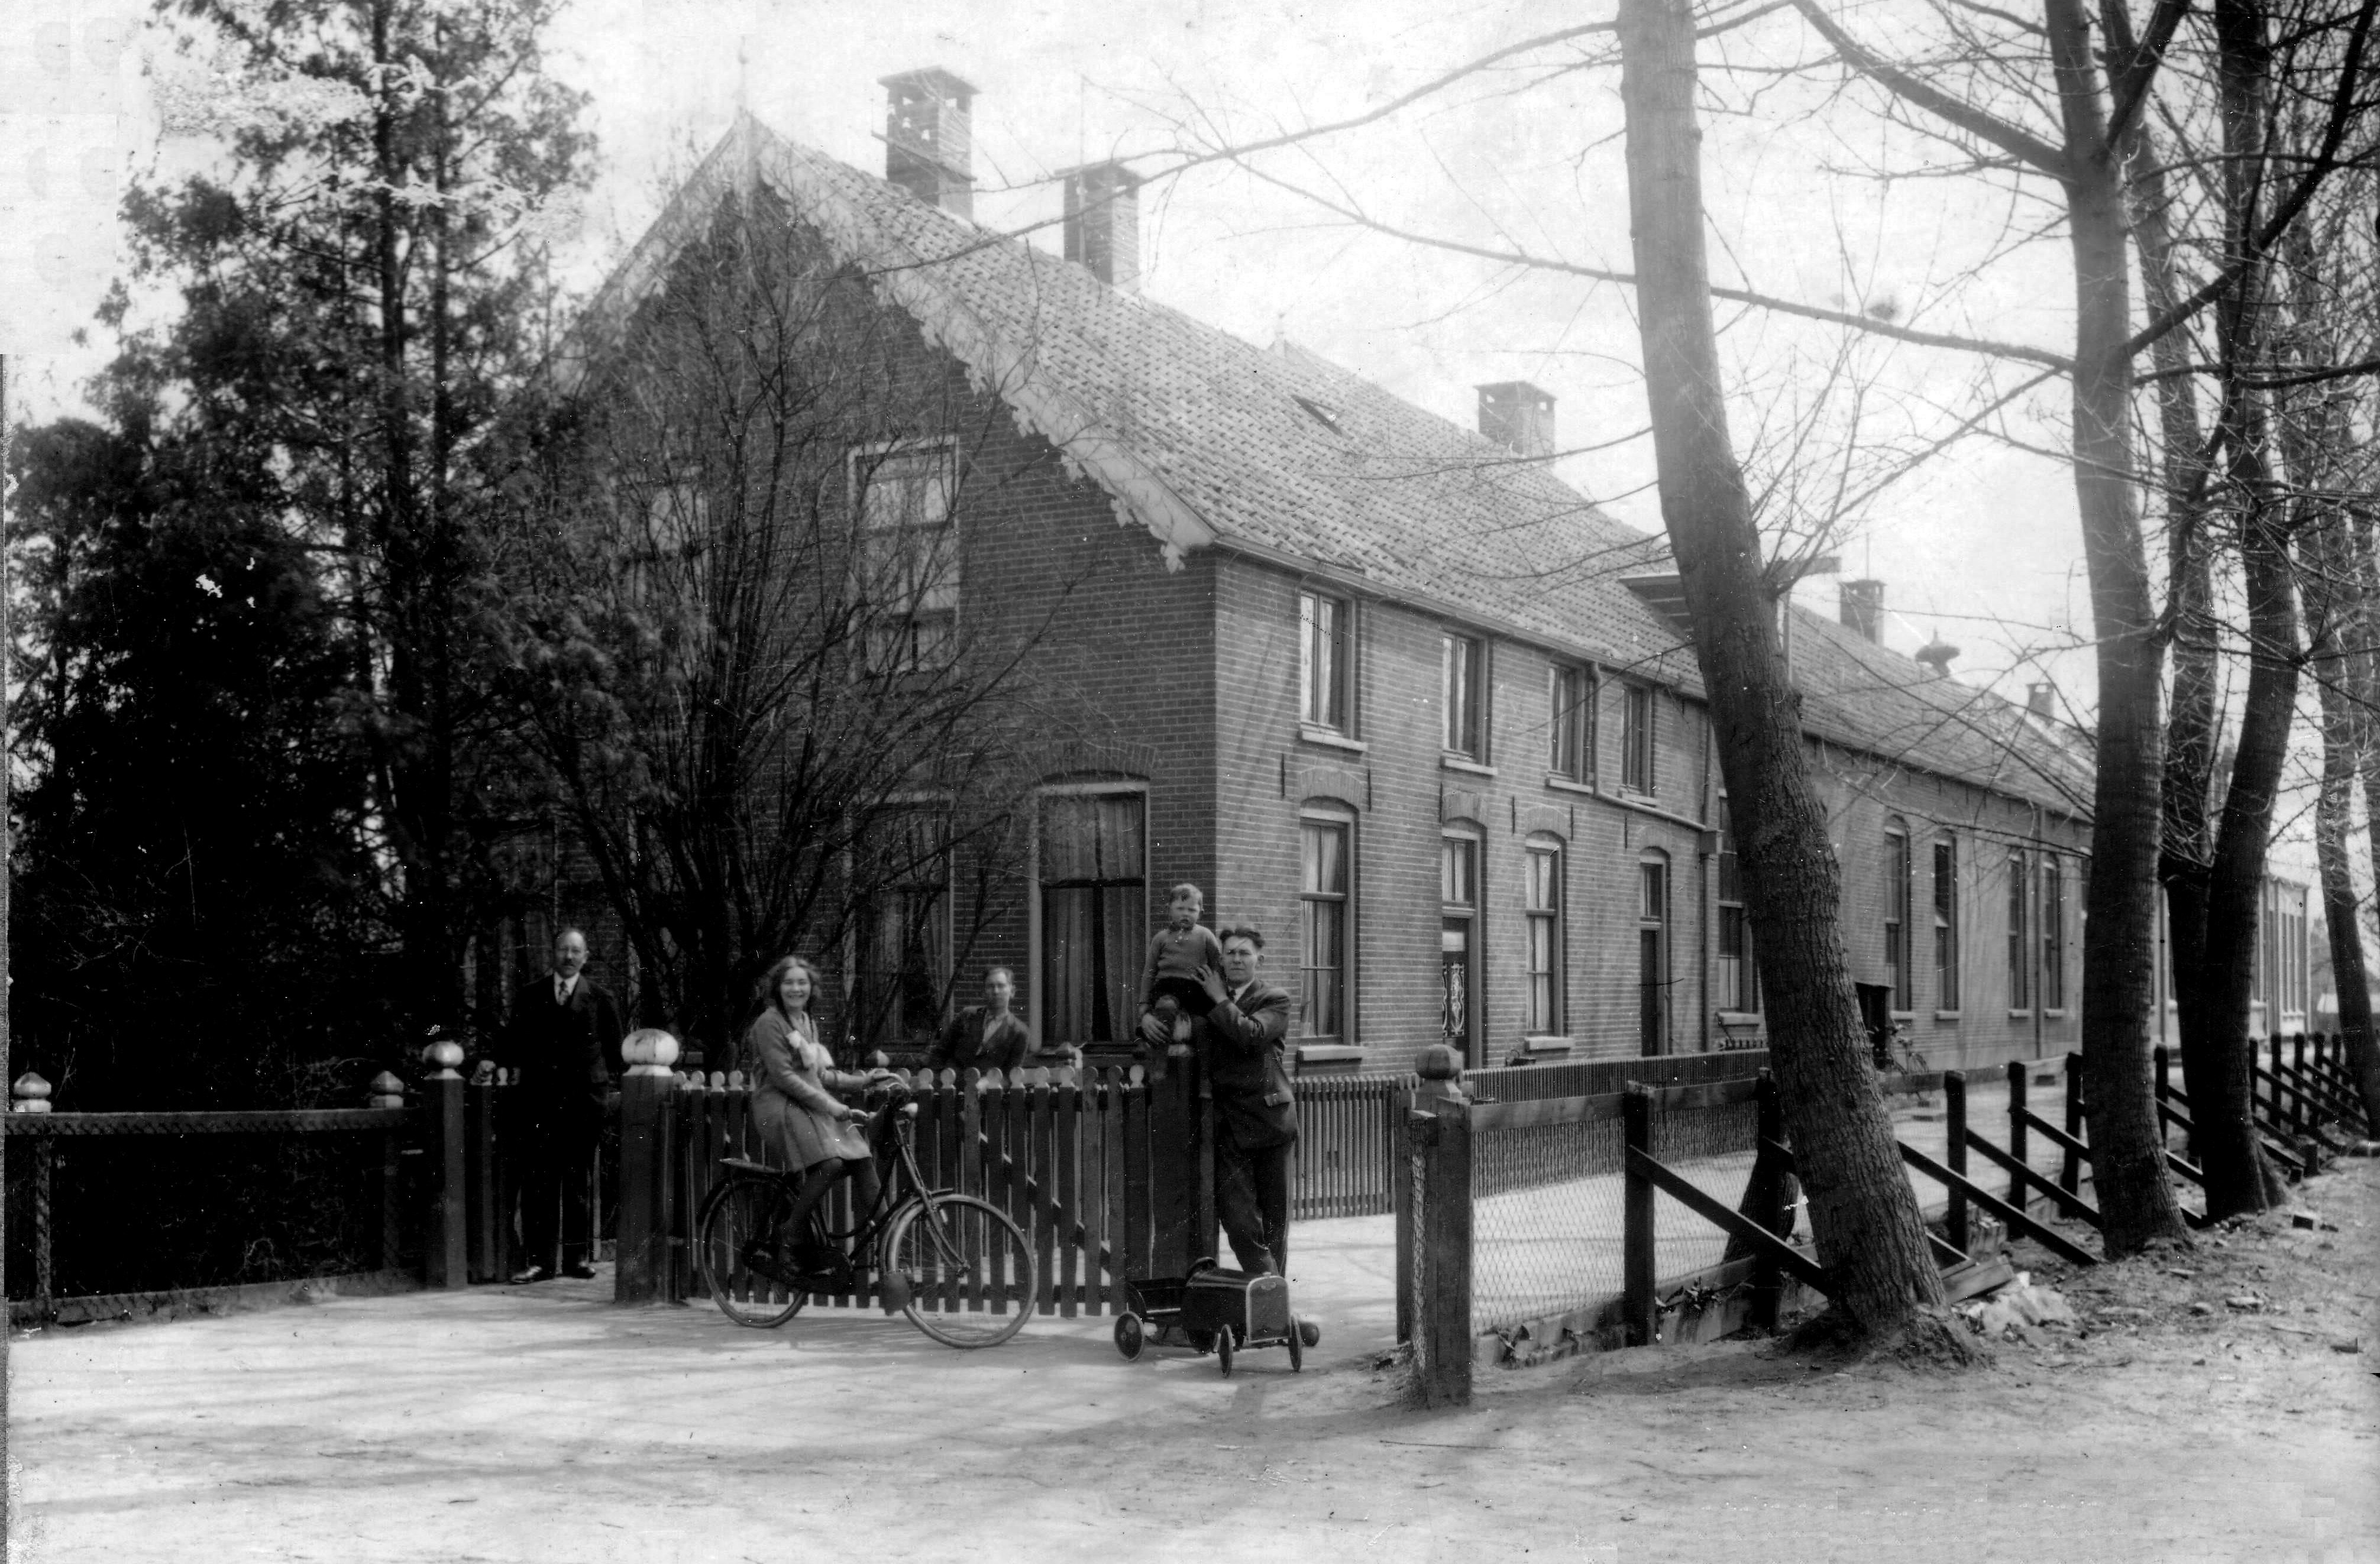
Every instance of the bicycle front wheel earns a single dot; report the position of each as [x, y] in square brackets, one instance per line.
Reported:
[734, 1238]
[970, 1273]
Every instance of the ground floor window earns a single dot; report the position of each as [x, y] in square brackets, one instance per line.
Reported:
[1739, 970]
[1094, 915]
[1542, 906]
[905, 943]
[1326, 907]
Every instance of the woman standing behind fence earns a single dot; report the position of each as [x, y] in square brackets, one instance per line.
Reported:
[801, 1121]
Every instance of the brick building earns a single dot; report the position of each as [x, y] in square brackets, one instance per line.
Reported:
[1388, 690]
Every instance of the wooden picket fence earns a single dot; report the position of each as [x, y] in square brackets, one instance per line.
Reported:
[1066, 1154]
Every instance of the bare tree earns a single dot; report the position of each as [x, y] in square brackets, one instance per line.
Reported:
[1862, 1210]
[746, 669]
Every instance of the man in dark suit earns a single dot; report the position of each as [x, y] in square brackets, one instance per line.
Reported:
[1242, 1040]
[563, 1041]
[985, 1037]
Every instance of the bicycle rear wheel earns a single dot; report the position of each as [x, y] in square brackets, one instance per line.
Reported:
[971, 1282]
[737, 1228]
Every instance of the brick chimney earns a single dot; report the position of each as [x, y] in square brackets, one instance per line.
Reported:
[929, 138]
[2041, 701]
[1862, 608]
[1518, 417]
[1102, 226]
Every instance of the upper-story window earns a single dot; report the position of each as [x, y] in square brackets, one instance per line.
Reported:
[1322, 660]
[907, 558]
[1636, 738]
[1897, 974]
[1570, 722]
[1463, 685]
[1945, 923]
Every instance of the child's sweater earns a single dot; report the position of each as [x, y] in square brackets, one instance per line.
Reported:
[1177, 954]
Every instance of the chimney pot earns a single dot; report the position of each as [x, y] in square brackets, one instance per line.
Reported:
[930, 138]
[1518, 416]
[2042, 700]
[1862, 607]
[1102, 225]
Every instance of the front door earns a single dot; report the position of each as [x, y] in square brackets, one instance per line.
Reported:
[1653, 958]
[1454, 971]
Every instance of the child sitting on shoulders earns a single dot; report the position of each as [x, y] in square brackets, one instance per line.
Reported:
[1178, 953]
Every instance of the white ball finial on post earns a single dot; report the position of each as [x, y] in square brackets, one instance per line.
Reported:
[649, 1050]
[30, 1094]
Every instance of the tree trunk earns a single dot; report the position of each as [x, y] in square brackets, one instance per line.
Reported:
[2238, 1178]
[2317, 439]
[1862, 1212]
[2119, 910]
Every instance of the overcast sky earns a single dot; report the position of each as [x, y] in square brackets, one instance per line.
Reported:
[1982, 546]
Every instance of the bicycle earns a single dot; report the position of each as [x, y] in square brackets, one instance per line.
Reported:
[932, 1247]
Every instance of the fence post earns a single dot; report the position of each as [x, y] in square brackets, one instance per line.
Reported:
[445, 1257]
[1954, 1121]
[1769, 1190]
[1442, 1250]
[641, 1250]
[1636, 1246]
[32, 1094]
[1440, 1073]
[387, 1091]
[2069, 1166]
[2017, 1190]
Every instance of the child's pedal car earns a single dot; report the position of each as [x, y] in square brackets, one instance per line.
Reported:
[1215, 1310]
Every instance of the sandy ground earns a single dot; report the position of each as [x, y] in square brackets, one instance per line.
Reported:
[544, 1424]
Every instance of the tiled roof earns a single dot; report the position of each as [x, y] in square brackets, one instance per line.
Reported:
[1205, 439]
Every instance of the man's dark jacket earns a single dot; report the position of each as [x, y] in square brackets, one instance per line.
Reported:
[566, 1053]
[1246, 1068]
[962, 1044]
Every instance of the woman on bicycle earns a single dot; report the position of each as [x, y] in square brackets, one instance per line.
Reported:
[801, 1123]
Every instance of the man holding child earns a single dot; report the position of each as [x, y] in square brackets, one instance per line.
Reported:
[1238, 1025]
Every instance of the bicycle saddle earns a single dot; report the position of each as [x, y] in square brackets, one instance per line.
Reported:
[744, 1164]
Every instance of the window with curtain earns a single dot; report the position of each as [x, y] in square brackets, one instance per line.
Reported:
[1571, 721]
[1094, 916]
[2053, 933]
[1739, 972]
[1325, 906]
[1897, 974]
[1946, 924]
[1542, 908]
[1461, 682]
[1636, 739]
[1322, 663]
[907, 558]
[2019, 934]
[905, 956]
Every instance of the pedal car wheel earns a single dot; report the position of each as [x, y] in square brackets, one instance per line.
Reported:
[1296, 1346]
[1224, 1351]
[1129, 1337]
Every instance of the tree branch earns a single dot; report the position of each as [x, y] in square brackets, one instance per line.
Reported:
[2017, 142]
[2341, 113]
[2023, 352]
[2139, 69]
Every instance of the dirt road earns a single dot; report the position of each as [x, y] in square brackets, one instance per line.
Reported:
[543, 1423]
